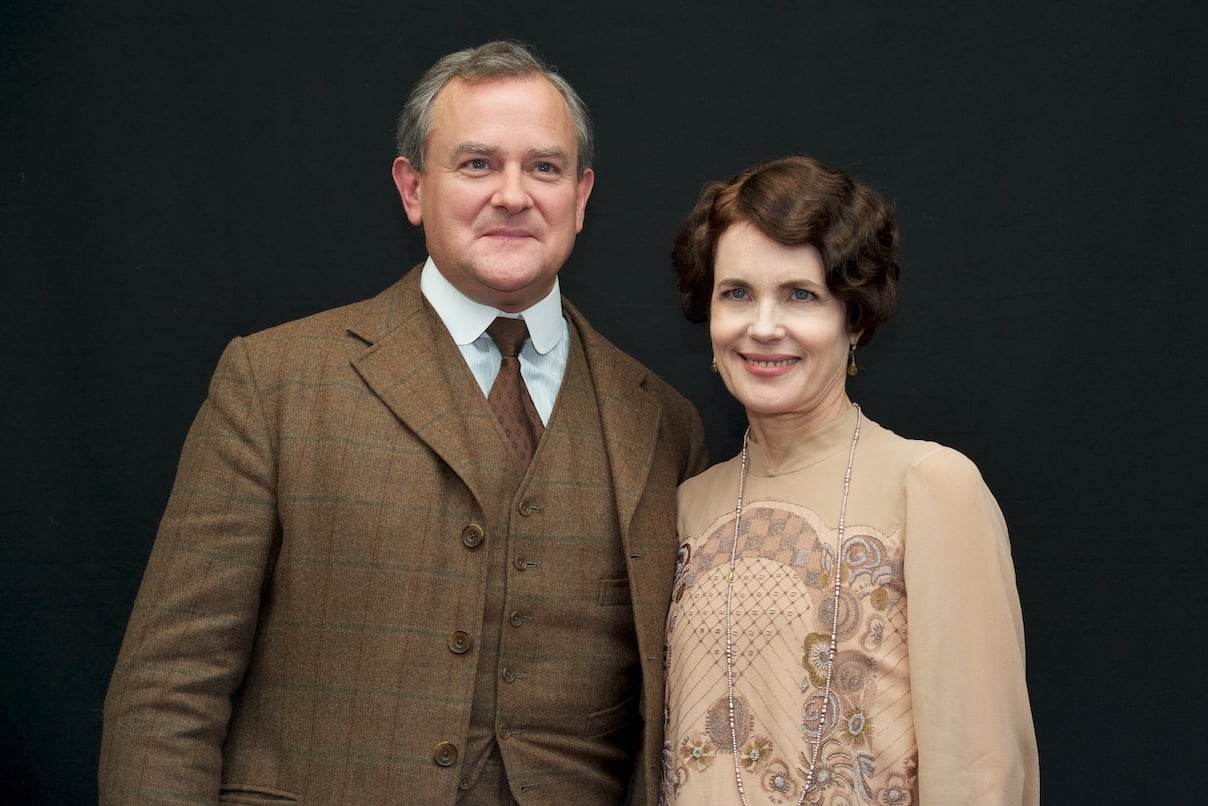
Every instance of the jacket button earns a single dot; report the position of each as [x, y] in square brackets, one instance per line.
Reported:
[517, 618]
[521, 563]
[504, 731]
[472, 536]
[528, 507]
[509, 676]
[459, 642]
[445, 754]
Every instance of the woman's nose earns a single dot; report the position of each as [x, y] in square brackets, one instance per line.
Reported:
[765, 323]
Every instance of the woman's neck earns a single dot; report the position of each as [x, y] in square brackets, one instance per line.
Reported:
[777, 433]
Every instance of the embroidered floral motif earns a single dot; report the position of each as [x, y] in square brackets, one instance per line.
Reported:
[896, 792]
[815, 657]
[859, 728]
[831, 777]
[779, 783]
[698, 751]
[874, 633]
[756, 753]
[824, 776]
[899, 787]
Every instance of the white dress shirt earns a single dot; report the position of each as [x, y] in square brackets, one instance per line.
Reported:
[543, 356]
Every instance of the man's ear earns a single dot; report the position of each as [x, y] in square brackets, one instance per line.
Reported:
[406, 179]
[582, 191]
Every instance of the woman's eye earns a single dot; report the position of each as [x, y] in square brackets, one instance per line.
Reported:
[801, 295]
[736, 293]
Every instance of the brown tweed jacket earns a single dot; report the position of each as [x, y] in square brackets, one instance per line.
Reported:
[289, 639]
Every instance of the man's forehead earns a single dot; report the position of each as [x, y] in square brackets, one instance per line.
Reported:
[456, 108]
[460, 89]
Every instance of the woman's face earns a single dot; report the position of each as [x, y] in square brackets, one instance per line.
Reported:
[780, 337]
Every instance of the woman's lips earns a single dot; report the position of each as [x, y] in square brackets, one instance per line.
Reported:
[768, 364]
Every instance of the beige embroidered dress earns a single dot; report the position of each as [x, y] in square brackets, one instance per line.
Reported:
[928, 700]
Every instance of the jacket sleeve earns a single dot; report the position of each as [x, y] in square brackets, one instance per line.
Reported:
[190, 634]
[972, 719]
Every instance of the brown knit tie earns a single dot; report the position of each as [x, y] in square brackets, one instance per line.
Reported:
[509, 397]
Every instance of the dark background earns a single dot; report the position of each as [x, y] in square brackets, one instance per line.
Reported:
[172, 175]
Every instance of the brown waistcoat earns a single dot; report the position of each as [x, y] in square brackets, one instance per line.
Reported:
[558, 673]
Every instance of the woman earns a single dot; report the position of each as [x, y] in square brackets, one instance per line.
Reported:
[845, 612]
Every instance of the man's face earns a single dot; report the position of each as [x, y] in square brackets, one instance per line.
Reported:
[498, 198]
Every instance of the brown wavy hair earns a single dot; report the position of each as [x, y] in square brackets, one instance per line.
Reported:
[796, 201]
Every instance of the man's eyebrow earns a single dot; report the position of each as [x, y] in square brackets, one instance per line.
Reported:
[549, 151]
[472, 147]
[540, 152]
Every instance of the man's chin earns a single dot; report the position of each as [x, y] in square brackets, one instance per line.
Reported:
[511, 289]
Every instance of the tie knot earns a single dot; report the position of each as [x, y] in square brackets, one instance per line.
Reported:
[509, 335]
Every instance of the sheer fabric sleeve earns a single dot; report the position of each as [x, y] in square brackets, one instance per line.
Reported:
[972, 719]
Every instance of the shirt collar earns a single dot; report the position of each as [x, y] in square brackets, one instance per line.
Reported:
[466, 319]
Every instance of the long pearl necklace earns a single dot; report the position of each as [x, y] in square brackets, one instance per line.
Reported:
[830, 661]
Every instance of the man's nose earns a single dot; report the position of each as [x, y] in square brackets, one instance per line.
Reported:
[511, 194]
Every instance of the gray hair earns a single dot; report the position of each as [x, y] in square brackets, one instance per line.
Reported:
[494, 60]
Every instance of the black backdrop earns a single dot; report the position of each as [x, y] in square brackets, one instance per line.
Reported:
[172, 175]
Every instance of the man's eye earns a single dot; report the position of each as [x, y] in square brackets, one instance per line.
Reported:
[477, 165]
[546, 168]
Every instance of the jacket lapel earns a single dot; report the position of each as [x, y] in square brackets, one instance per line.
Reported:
[414, 366]
[630, 418]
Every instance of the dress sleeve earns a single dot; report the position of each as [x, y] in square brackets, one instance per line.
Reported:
[190, 634]
[972, 719]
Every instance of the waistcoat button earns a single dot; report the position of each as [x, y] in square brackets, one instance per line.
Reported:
[504, 731]
[459, 642]
[528, 507]
[472, 536]
[445, 754]
[509, 676]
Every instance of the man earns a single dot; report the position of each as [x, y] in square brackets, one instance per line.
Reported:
[373, 582]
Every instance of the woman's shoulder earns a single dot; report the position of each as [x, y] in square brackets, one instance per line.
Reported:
[920, 458]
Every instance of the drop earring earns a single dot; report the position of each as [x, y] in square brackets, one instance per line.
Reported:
[713, 366]
[852, 369]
